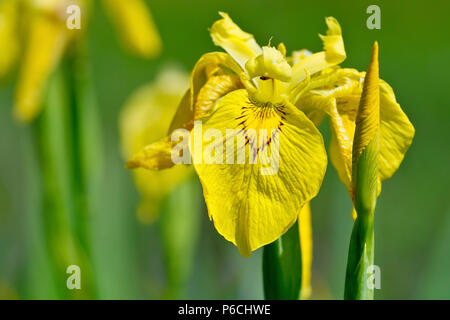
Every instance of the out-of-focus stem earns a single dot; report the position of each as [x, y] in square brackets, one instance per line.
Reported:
[69, 154]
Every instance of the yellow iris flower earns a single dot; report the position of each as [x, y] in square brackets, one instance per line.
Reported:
[254, 87]
[144, 120]
[46, 36]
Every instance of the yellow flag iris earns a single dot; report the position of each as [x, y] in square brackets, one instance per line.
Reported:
[251, 88]
[254, 87]
[43, 26]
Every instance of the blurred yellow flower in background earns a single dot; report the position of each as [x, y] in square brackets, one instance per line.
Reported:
[43, 26]
[144, 120]
[45, 39]
[9, 17]
[135, 25]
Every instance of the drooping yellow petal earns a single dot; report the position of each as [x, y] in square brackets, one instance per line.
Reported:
[306, 247]
[9, 42]
[136, 27]
[396, 132]
[333, 54]
[250, 208]
[45, 43]
[341, 146]
[239, 44]
[342, 121]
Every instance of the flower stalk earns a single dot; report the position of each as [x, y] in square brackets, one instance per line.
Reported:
[365, 179]
[282, 267]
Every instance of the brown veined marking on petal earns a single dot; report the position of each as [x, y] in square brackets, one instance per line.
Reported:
[214, 88]
[263, 116]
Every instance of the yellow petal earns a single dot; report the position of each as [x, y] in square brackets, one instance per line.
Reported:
[214, 88]
[9, 42]
[306, 247]
[209, 65]
[333, 54]
[145, 117]
[46, 41]
[333, 43]
[247, 207]
[341, 105]
[341, 146]
[135, 25]
[239, 44]
[396, 132]
[155, 156]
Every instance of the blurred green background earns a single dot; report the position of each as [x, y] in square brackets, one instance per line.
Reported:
[412, 230]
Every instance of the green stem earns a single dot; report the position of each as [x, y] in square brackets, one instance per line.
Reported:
[360, 258]
[282, 267]
[361, 249]
[86, 154]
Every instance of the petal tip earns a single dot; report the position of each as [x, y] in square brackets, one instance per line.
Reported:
[131, 164]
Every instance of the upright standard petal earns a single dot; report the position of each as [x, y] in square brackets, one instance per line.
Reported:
[333, 54]
[249, 206]
[239, 44]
